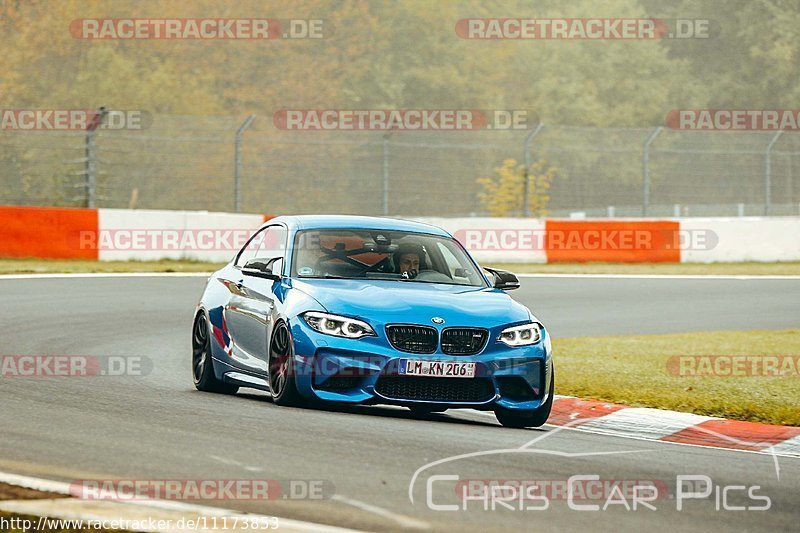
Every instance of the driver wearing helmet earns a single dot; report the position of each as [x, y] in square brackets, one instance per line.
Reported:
[409, 259]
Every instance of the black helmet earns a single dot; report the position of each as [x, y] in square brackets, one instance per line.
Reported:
[409, 248]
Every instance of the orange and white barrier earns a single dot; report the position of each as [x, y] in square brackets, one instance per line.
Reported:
[687, 240]
[124, 234]
[46, 232]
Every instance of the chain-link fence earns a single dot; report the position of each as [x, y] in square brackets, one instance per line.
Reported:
[663, 172]
[183, 162]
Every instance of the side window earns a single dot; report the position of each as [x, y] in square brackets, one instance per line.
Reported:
[450, 259]
[249, 251]
[268, 243]
[273, 244]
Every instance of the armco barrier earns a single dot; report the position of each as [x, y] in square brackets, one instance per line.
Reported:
[122, 234]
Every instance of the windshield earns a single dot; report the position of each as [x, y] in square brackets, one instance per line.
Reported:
[386, 255]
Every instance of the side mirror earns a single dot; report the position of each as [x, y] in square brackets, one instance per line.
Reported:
[261, 268]
[503, 279]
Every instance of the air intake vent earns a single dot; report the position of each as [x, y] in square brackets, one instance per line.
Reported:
[463, 341]
[413, 339]
[444, 390]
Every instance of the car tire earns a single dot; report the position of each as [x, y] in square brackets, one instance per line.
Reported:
[533, 418]
[280, 368]
[202, 366]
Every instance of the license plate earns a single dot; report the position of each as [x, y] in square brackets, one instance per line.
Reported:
[446, 369]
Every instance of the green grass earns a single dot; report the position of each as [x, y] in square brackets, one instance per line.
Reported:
[75, 266]
[632, 370]
[737, 269]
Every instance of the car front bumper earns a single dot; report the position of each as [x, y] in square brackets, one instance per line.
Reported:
[365, 371]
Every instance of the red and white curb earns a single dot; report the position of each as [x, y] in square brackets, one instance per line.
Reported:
[676, 427]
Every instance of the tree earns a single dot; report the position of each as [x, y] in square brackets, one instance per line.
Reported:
[503, 193]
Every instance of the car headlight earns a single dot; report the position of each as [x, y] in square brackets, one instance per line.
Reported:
[523, 335]
[338, 326]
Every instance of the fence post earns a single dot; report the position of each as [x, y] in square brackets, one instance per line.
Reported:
[768, 173]
[646, 170]
[90, 177]
[526, 157]
[237, 171]
[385, 202]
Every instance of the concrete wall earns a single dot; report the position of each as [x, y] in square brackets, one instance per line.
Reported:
[745, 239]
[151, 235]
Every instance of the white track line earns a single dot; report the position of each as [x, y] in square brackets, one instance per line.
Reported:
[789, 446]
[109, 275]
[59, 487]
[404, 521]
[34, 483]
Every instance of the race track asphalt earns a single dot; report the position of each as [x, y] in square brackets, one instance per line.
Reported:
[156, 426]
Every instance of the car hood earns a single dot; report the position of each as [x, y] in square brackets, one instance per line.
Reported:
[415, 302]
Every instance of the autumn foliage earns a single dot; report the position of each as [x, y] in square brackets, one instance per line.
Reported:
[502, 194]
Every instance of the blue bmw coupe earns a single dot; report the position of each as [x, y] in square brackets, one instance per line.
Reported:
[363, 310]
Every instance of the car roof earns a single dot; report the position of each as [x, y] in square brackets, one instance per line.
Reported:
[302, 222]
